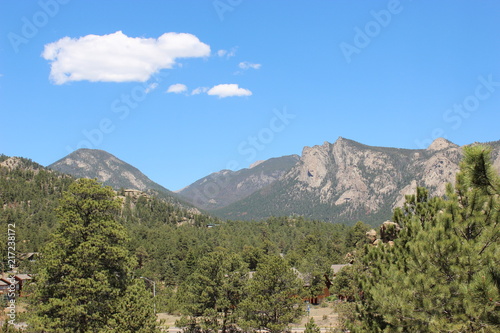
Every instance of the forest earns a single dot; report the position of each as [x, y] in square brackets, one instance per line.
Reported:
[100, 251]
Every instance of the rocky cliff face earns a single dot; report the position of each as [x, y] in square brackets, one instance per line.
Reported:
[348, 181]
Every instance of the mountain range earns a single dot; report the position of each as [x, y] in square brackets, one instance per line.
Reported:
[345, 181]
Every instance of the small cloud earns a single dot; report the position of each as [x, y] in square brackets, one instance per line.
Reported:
[177, 88]
[151, 87]
[117, 57]
[228, 90]
[226, 53]
[199, 90]
[247, 65]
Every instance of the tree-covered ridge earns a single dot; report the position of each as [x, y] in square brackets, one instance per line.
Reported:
[222, 188]
[29, 195]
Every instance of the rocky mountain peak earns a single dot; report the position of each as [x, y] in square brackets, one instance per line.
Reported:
[441, 144]
[313, 166]
[108, 169]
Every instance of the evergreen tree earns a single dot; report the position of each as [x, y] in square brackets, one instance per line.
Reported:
[85, 277]
[443, 273]
[311, 327]
[213, 292]
[357, 235]
[274, 296]
[134, 312]
[344, 284]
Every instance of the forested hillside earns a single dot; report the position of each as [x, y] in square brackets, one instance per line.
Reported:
[222, 188]
[169, 243]
[29, 195]
[225, 275]
[163, 235]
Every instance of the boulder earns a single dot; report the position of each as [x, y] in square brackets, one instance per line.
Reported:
[371, 235]
[389, 231]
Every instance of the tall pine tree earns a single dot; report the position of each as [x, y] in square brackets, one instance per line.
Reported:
[443, 272]
[212, 293]
[274, 296]
[85, 278]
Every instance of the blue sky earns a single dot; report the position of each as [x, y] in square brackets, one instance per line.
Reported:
[181, 89]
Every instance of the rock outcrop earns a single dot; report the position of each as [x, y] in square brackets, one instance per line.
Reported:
[347, 181]
[389, 231]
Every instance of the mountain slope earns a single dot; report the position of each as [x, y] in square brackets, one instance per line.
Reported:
[348, 181]
[222, 188]
[108, 169]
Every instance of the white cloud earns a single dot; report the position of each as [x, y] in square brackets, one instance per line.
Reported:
[247, 65]
[228, 90]
[177, 88]
[117, 57]
[151, 87]
[199, 90]
[226, 53]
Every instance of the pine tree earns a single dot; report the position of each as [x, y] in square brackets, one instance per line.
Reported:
[85, 271]
[311, 327]
[212, 293]
[134, 312]
[442, 274]
[274, 296]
